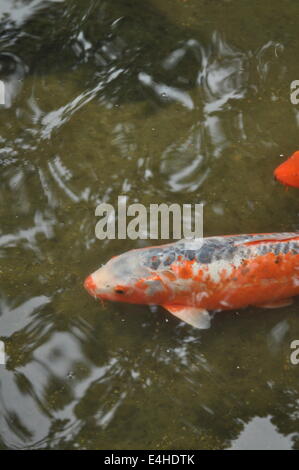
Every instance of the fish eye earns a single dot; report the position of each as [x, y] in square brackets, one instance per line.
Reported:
[119, 291]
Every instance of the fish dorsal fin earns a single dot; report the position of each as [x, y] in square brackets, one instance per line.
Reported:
[270, 238]
[197, 317]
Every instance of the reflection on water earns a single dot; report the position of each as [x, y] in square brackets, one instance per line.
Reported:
[185, 103]
[260, 434]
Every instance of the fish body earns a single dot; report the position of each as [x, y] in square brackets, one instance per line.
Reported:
[192, 277]
[288, 172]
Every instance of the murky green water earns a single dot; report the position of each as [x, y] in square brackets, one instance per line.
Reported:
[162, 101]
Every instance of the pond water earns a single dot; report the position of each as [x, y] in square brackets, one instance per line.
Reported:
[174, 101]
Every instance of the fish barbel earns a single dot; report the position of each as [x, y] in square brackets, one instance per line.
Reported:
[189, 278]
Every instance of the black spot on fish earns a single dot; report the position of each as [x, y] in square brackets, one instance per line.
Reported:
[152, 258]
[205, 254]
[294, 248]
[169, 258]
[215, 250]
[154, 262]
[285, 247]
[263, 249]
[179, 251]
[155, 252]
[189, 254]
[247, 253]
[228, 252]
[277, 249]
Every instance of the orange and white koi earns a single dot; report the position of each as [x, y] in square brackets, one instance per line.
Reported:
[191, 278]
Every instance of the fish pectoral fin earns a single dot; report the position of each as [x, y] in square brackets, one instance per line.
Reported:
[277, 303]
[197, 317]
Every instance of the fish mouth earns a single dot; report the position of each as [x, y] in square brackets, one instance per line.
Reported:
[90, 286]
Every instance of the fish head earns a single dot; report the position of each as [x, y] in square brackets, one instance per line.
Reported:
[125, 278]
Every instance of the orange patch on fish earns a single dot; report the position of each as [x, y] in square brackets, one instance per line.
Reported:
[186, 271]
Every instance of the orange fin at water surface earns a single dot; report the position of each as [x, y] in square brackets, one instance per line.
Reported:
[197, 317]
[288, 172]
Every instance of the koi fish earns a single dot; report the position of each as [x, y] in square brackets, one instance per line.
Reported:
[191, 278]
[288, 172]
